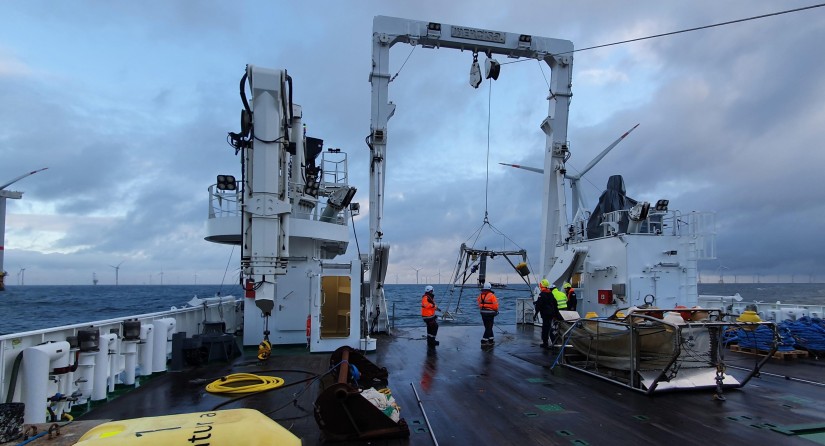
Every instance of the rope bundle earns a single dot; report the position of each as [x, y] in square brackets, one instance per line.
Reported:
[809, 333]
[231, 384]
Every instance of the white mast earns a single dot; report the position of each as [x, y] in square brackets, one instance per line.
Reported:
[3, 195]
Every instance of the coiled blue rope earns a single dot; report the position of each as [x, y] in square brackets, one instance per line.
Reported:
[808, 333]
[763, 338]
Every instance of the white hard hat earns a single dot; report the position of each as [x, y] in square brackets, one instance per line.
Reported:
[428, 289]
[486, 286]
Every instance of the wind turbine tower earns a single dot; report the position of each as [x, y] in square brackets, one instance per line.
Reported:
[117, 271]
[416, 273]
[3, 195]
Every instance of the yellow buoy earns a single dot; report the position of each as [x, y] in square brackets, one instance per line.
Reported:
[220, 427]
[749, 316]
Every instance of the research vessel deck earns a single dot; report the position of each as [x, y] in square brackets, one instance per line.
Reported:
[510, 395]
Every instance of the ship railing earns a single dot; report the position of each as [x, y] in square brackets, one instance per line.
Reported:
[224, 203]
[227, 204]
[334, 175]
[699, 225]
[188, 319]
[767, 311]
[334, 168]
[656, 223]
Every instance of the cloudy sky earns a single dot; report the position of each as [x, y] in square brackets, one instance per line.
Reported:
[128, 105]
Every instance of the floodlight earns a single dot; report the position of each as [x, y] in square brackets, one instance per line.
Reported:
[434, 30]
[661, 205]
[226, 182]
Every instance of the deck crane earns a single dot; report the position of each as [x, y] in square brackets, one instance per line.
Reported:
[388, 31]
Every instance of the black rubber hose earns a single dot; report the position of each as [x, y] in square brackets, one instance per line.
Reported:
[13, 382]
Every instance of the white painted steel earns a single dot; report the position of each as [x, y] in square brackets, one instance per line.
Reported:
[38, 362]
[164, 329]
[146, 349]
[102, 366]
[186, 319]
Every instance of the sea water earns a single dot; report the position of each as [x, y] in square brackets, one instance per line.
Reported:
[25, 308]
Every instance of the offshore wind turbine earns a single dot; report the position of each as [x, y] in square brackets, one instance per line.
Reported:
[416, 273]
[117, 270]
[13, 195]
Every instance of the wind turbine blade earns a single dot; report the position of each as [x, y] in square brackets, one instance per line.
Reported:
[21, 177]
[602, 155]
[531, 169]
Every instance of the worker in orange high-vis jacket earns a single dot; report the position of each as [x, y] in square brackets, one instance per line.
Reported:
[428, 309]
[488, 305]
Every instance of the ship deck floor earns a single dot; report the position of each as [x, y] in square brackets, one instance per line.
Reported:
[510, 395]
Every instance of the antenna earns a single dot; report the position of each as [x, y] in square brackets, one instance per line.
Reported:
[16, 196]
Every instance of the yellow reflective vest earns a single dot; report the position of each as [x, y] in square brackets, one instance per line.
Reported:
[561, 299]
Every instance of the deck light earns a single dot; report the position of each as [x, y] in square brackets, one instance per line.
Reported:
[661, 205]
[227, 182]
[524, 41]
[311, 187]
[348, 197]
[434, 30]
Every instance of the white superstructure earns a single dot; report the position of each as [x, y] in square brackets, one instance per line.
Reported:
[290, 214]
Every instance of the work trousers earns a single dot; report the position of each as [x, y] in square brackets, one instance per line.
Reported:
[547, 331]
[487, 318]
[432, 328]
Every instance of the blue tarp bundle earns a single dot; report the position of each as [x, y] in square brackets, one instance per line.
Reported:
[808, 333]
[762, 338]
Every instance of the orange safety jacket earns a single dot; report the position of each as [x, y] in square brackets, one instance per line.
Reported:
[487, 301]
[427, 306]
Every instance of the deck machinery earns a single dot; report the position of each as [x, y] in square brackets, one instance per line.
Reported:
[290, 213]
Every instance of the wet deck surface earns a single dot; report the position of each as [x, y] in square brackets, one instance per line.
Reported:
[509, 395]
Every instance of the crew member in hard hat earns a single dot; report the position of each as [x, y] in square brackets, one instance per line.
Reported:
[561, 303]
[571, 296]
[488, 305]
[547, 307]
[428, 309]
[561, 298]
